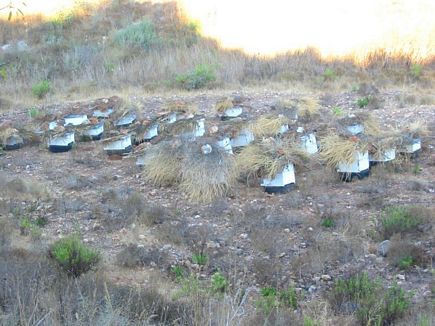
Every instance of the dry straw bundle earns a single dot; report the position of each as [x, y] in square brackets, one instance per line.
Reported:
[223, 105]
[207, 176]
[268, 157]
[308, 108]
[162, 164]
[370, 124]
[268, 125]
[179, 127]
[335, 149]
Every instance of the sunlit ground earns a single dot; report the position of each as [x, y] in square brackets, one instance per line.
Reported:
[334, 27]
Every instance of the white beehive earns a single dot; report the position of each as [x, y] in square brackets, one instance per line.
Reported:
[75, 119]
[62, 143]
[356, 129]
[151, 132]
[360, 164]
[244, 138]
[104, 114]
[385, 156]
[232, 112]
[309, 143]
[120, 146]
[126, 120]
[283, 179]
[413, 147]
[95, 132]
[225, 143]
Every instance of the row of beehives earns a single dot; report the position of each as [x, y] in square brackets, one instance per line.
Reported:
[78, 125]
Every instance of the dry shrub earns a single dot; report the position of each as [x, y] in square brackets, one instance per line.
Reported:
[205, 177]
[268, 125]
[179, 127]
[269, 156]
[19, 188]
[401, 248]
[162, 165]
[137, 256]
[308, 108]
[335, 150]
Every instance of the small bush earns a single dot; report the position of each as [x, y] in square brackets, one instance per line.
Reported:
[416, 70]
[219, 283]
[140, 34]
[34, 113]
[271, 299]
[398, 220]
[73, 257]
[405, 262]
[200, 77]
[362, 102]
[41, 89]
[337, 110]
[199, 259]
[328, 222]
[369, 301]
[405, 254]
[329, 74]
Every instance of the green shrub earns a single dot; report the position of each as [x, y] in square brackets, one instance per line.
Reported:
[416, 70]
[199, 259]
[140, 34]
[271, 298]
[405, 262]
[362, 102]
[337, 110]
[73, 257]
[34, 113]
[200, 77]
[178, 271]
[41, 89]
[219, 283]
[398, 219]
[369, 301]
[328, 222]
[329, 74]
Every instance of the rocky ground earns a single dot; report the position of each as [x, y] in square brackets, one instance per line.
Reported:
[254, 238]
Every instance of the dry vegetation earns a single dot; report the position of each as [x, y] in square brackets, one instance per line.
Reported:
[87, 240]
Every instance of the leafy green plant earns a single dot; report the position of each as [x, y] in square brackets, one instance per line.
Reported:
[140, 34]
[405, 262]
[417, 169]
[199, 259]
[337, 110]
[25, 225]
[362, 102]
[200, 77]
[41, 89]
[308, 321]
[3, 72]
[178, 271]
[328, 222]
[219, 283]
[271, 299]
[41, 221]
[329, 74]
[73, 257]
[34, 113]
[289, 298]
[396, 301]
[397, 219]
[416, 70]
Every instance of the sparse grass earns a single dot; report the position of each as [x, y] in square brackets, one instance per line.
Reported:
[41, 89]
[73, 257]
[337, 110]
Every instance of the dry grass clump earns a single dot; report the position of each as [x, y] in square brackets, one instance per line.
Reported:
[379, 145]
[162, 164]
[5, 133]
[181, 107]
[335, 150]
[416, 129]
[223, 105]
[268, 157]
[268, 125]
[207, 176]
[308, 107]
[370, 124]
[179, 127]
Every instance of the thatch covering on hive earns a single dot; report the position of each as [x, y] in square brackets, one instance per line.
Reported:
[266, 158]
[179, 127]
[370, 124]
[162, 163]
[335, 149]
[207, 176]
[224, 104]
[268, 125]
